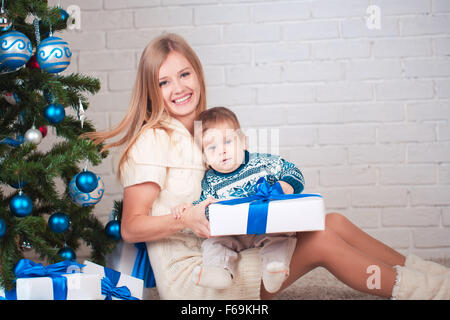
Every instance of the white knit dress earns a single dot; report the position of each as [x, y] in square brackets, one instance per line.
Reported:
[175, 164]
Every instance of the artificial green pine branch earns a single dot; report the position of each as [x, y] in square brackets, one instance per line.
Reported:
[36, 89]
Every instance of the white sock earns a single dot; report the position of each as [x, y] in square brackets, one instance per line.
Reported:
[274, 275]
[212, 277]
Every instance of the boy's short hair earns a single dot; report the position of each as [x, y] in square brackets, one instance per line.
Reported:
[217, 115]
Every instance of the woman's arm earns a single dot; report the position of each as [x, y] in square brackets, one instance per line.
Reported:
[138, 226]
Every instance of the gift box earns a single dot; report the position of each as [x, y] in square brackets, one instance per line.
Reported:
[132, 259]
[268, 211]
[116, 285]
[54, 282]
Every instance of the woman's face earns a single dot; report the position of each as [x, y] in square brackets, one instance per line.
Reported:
[179, 86]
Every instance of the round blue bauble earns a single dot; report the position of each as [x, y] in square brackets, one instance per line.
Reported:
[112, 230]
[59, 222]
[86, 181]
[53, 55]
[86, 199]
[2, 227]
[67, 254]
[54, 113]
[63, 15]
[21, 205]
[15, 50]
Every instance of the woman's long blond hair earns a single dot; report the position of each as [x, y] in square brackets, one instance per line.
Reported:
[146, 108]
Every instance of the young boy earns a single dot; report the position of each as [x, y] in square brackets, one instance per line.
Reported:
[232, 173]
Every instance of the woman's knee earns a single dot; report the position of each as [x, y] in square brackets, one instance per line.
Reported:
[316, 242]
[335, 220]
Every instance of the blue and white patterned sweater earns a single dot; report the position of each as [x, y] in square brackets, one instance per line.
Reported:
[240, 183]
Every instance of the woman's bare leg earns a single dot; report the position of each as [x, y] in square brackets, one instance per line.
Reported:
[347, 263]
[362, 241]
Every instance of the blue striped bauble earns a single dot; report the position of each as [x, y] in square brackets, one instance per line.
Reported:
[53, 55]
[15, 50]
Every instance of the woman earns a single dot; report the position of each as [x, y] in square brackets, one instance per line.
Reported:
[161, 167]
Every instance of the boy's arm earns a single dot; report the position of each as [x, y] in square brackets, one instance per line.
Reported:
[287, 188]
[207, 192]
[290, 177]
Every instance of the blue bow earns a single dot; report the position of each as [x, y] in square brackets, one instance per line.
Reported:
[142, 268]
[259, 204]
[110, 289]
[13, 143]
[28, 269]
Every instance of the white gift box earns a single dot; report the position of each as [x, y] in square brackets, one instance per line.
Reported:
[79, 287]
[122, 258]
[301, 214]
[135, 285]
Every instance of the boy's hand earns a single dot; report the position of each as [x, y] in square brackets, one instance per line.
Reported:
[287, 188]
[179, 209]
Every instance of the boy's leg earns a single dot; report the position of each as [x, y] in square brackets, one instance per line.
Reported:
[276, 253]
[219, 263]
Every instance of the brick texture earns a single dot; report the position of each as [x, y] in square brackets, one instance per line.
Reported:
[364, 112]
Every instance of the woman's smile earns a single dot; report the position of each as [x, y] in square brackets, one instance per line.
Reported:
[183, 100]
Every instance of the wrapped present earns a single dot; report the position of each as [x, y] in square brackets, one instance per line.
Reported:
[116, 285]
[132, 259]
[267, 211]
[59, 281]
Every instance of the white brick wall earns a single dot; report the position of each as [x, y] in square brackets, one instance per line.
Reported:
[365, 113]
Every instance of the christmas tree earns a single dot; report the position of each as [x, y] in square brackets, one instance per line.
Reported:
[35, 97]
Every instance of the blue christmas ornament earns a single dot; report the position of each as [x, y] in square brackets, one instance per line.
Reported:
[21, 205]
[67, 253]
[86, 181]
[86, 199]
[112, 230]
[59, 222]
[63, 15]
[2, 227]
[54, 113]
[15, 50]
[53, 54]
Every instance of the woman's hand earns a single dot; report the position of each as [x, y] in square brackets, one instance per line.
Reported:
[194, 218]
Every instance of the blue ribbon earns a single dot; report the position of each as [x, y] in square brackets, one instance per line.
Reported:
[259, 204]
[28, 269]
[142, 268]
[110, 289]
[13, 143]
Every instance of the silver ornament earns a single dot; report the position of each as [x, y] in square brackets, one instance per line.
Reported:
[81, 113]
[5, 23]
[33, 135]
[26, 246]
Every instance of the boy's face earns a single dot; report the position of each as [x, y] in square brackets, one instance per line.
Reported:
[224, 148]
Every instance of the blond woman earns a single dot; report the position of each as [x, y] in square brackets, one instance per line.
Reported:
[161, 167]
